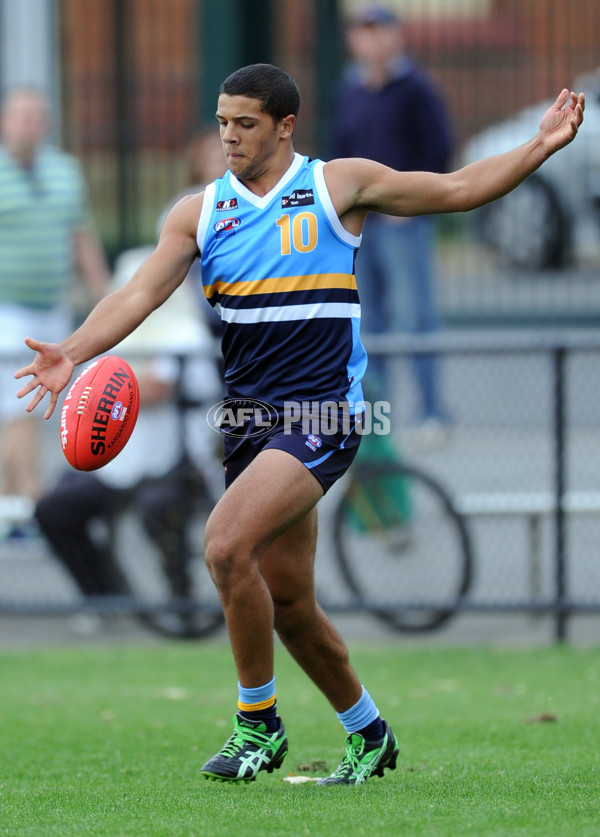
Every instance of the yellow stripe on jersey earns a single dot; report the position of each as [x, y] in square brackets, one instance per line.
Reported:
[283, 284]
[257, 707]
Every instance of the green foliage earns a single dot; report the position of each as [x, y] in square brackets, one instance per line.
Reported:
[107, 742]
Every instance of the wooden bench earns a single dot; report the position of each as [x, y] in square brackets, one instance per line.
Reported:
[534, 506]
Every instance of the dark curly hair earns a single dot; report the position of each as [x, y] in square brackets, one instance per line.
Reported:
[274, 88]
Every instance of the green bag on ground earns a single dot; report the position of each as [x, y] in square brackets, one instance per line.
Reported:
[378, 499]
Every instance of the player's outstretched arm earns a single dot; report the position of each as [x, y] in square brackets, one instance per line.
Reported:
[358, 186]
[119, 313]
[113, 318]
[490, 179]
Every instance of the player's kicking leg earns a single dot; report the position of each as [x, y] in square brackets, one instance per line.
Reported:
[275, 493]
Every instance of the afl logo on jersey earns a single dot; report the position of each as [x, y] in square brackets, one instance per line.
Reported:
[226, 226]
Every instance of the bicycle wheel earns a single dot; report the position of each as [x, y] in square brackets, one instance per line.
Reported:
[180, 601]
[402, 547]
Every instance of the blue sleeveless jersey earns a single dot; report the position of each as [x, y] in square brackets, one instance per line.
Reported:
[279, 270]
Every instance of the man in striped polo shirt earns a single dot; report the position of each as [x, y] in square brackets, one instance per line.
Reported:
[46, 238]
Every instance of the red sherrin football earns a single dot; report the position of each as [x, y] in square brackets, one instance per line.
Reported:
[99, 413]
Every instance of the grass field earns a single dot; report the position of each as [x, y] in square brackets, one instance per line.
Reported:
[108, 742]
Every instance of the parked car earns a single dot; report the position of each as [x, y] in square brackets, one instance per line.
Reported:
[555, 213]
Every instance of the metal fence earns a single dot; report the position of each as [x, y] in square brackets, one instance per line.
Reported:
[521, 463]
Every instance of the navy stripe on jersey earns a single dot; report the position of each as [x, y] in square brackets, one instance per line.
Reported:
[317, 345]
[296, 298]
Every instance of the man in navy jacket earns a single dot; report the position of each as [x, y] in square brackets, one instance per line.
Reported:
[388, 110]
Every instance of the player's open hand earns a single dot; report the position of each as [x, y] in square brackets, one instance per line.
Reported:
[561, 121]
[51, 371]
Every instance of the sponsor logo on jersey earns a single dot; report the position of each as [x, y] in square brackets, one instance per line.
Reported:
[226, 226]
[299, 197]
[313, 442]
[227, 205]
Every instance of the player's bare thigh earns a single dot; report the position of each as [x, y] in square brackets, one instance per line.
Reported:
[271, 495]
[287, 565]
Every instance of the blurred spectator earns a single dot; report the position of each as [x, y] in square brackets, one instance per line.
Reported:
[75, 515]
[389, 111]
[46, 238]
[205, 162]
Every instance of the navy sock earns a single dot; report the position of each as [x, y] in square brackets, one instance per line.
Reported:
[259, 704]
[373, 731]
[267, 716]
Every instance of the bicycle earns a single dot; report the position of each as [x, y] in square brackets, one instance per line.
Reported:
[403, 548]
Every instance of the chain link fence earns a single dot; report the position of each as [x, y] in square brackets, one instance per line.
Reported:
[520, 462]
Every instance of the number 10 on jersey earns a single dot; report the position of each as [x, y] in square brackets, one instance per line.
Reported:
[301, 233]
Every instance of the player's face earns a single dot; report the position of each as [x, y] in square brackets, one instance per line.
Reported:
[250, 137]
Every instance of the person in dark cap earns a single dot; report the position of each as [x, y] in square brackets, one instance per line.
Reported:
[373, 14]
[388, 110]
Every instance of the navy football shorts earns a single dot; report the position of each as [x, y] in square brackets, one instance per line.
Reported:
[326, 448]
